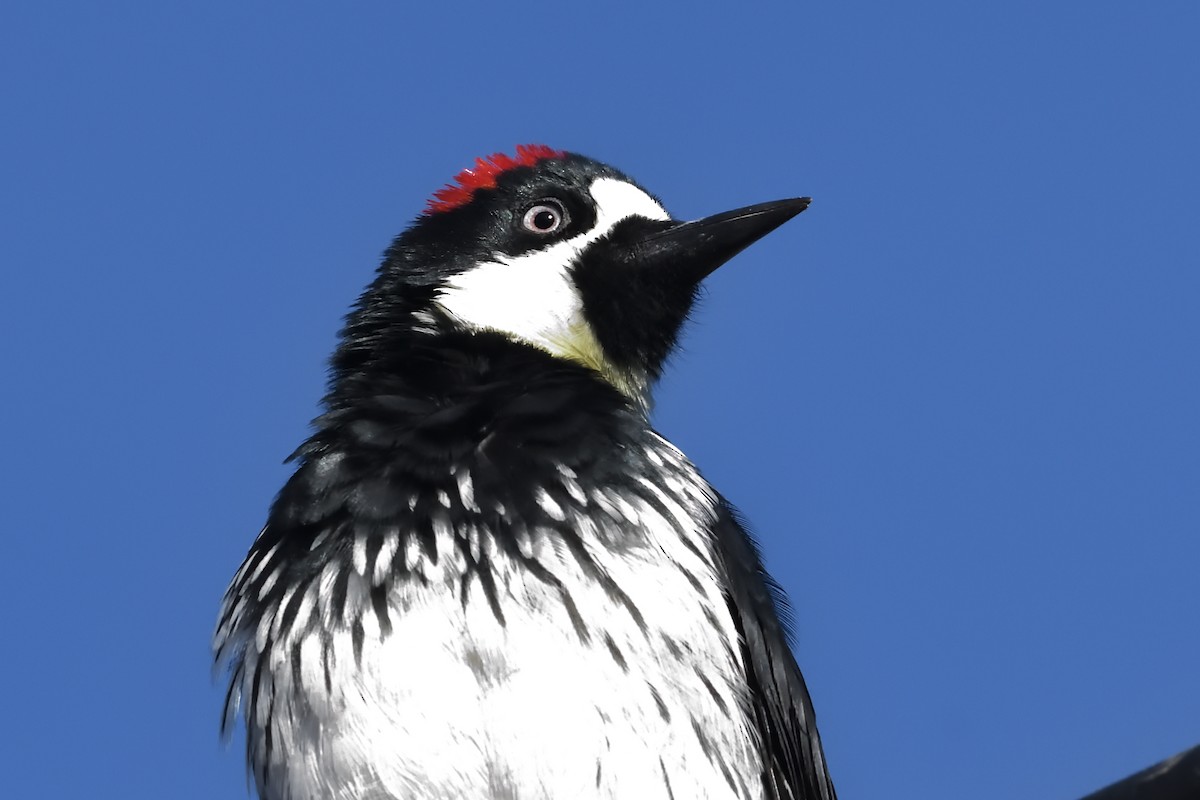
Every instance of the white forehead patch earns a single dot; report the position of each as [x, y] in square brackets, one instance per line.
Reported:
[532, 297]
[617, 200]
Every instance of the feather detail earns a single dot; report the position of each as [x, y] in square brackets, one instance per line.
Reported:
[484, 174]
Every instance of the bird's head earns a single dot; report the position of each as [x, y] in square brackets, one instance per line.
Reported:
[555, 251]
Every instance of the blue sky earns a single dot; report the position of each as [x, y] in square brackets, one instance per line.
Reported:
[958, 398]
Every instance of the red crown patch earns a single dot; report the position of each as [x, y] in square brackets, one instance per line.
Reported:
[484, 173]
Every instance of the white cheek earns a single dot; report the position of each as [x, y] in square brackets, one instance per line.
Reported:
[532, 297]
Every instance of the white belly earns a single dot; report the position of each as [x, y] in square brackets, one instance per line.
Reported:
[454, 704]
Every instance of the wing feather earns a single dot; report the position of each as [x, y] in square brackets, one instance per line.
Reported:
[780, 707]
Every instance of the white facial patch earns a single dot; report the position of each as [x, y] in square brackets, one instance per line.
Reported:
[532, 297]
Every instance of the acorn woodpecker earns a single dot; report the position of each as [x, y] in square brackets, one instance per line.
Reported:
[489, 576]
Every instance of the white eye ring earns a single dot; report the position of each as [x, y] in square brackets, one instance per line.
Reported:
[546, 217]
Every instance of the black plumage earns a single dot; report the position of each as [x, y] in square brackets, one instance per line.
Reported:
[459, 460]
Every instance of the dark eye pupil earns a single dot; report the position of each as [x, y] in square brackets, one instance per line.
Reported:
[544, 220]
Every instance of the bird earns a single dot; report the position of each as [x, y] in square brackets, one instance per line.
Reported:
[489, 576]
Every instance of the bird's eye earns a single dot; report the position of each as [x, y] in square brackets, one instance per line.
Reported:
[545, 217]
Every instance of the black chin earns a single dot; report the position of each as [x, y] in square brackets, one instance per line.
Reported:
[636, 313]
[639, 282]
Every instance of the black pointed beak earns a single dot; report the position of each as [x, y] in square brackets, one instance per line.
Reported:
[700, 246]
[639, 282]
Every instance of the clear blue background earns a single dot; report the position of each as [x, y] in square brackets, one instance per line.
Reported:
[958, 397]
